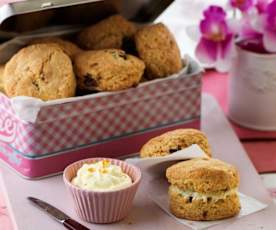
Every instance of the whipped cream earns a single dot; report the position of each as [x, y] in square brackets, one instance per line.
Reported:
[101, 176]
[203, 196]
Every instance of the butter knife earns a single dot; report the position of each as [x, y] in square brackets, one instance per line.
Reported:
[58, 215]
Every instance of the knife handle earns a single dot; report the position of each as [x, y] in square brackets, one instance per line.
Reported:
[74, 225]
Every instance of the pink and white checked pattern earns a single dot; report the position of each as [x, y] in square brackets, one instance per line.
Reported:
[83, 122]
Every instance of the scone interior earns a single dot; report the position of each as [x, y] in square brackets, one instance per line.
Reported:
[173, 141]
[203, 189]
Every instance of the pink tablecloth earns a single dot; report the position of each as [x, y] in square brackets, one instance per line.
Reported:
[262, 153]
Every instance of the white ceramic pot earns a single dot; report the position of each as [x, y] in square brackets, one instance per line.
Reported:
[252, 90]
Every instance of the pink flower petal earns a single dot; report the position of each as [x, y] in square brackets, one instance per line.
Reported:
[225, 54]
[213, 27]
[226, 47]
[206, 51]
[269, 40]
[242, 5]
[215, 12]
[261, 5]
[218, 54]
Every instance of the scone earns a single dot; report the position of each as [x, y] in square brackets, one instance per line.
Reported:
[173, 141]
[107, 70]
[43, 71]
[2, 68]
[157, 47]
[203, 189]
[108, 33]
[68, 47]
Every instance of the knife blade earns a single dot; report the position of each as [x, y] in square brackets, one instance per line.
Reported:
[58, 215]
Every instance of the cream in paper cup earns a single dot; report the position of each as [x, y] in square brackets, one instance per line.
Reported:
[102, 206]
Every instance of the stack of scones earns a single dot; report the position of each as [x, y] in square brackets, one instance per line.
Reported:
[200, 188]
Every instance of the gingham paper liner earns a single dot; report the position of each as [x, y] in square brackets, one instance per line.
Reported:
[69, 125]
[102, 207]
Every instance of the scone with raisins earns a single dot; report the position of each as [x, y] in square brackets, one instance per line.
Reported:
[173, 141]
[107, 70]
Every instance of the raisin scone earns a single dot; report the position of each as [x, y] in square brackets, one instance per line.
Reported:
[106, 34]
[203, 189]
[108, 70]
[157, 47]
[68, 47]
[173, 141]
[43, 71]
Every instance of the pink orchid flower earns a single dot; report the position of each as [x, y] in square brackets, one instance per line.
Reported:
[268, 23]
[216, 44]
[261, 5]
[242, 5]
[248, 26]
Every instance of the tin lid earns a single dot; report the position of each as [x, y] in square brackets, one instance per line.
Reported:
[27, 15]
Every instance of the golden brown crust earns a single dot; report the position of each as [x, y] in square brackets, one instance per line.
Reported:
[68, 47]
[158, 49]
[199, 209]
[2, 68]
[203, 175]
[43, 71]
[106, 34]
[108, 70]
[172, 141]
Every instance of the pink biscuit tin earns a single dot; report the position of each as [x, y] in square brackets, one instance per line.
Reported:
[113, 124]
[39, 138]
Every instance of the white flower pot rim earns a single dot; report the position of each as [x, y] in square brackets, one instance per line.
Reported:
[259, 55]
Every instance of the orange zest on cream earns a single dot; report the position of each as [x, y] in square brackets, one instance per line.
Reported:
[101, 176]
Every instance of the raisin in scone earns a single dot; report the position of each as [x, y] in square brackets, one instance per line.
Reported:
[43, 71]
[106, 34]
[173, 141]
[108, 70]
[203, 189]
[157, 47]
